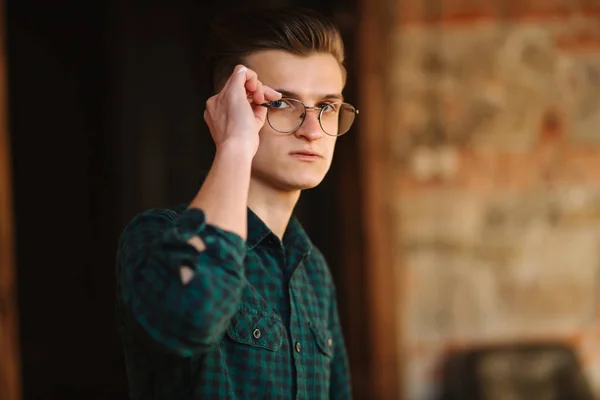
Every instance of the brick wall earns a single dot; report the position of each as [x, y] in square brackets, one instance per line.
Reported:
[494, 147]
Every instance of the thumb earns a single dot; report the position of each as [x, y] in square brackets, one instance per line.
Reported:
[260, 113]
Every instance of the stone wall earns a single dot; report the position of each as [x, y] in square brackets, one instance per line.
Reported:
[495, 150]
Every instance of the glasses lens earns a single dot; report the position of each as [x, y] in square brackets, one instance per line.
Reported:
[337, 118]
[285, 115]
[346, 118]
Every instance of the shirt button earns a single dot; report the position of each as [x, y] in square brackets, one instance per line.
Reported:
[298, 347]
[256, 334]
[330, 342]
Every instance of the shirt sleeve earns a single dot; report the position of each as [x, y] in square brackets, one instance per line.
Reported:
[340, 385]
[181, 318]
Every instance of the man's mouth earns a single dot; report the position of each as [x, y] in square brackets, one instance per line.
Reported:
[305, 153]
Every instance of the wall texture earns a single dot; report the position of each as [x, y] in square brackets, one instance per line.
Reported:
[493, 140]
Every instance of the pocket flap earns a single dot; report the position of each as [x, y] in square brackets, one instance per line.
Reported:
[257, 330]
[323, 338]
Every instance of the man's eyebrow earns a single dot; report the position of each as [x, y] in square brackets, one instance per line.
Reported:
[293, 95]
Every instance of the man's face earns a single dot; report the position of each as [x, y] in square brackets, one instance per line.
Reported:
[313, 80]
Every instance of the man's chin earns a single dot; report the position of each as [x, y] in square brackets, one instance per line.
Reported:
[290, 182]
[297, 186]
[296, 183]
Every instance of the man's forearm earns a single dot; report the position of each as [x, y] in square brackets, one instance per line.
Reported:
[224, 194]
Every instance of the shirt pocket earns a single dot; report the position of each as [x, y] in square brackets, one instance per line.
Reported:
[323, 339]
[257, 329]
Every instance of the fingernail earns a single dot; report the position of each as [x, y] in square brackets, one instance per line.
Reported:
[242, 70]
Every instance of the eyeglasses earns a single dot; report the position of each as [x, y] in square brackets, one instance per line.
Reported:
[287, 115]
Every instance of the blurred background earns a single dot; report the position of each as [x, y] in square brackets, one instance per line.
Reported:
[461, 217]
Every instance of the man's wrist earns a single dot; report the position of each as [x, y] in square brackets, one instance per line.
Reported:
[236, 151]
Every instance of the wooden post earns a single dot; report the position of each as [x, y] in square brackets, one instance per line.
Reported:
[375, 29]
[10, 386]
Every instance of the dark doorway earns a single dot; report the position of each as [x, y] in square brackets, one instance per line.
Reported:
[84, 81]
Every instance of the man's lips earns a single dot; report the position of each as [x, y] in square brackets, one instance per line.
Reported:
[305, 153]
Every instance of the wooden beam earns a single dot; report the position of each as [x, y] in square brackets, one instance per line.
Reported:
[375, 29]
[10, 385]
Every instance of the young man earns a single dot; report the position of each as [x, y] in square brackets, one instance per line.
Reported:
[226, 297]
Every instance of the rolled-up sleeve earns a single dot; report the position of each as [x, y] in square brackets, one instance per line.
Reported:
[179, 316]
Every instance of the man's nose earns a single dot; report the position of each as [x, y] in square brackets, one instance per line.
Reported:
[310, 128]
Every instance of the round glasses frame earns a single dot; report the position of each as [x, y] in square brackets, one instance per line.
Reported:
[353, 109]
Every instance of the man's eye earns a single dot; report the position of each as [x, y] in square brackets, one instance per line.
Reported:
[328, 107]
[279, 104]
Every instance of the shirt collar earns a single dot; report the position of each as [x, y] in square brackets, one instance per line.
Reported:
[294, 237]
[257, 230]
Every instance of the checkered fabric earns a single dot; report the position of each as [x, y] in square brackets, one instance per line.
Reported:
[258, 319]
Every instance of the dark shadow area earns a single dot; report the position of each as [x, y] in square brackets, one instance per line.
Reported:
[105, 103]
[515, 371]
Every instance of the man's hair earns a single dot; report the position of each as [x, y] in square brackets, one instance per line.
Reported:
[300, 31]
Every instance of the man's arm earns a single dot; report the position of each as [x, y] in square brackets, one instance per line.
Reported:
[234, 124]
[181, 277]
[340, 386]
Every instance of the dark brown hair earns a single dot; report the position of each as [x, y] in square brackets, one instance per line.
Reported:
[300, 31]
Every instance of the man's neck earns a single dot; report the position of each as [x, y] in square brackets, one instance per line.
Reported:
[274, 207]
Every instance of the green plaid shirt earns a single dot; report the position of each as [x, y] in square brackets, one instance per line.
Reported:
[258, 320]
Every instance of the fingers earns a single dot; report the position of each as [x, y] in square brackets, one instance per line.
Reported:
[244, 78]
[271, 94]
[244, 81]
[238, 79]
[259, 96]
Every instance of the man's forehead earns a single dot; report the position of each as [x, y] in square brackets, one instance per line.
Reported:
[309, 76]
[310, 94]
